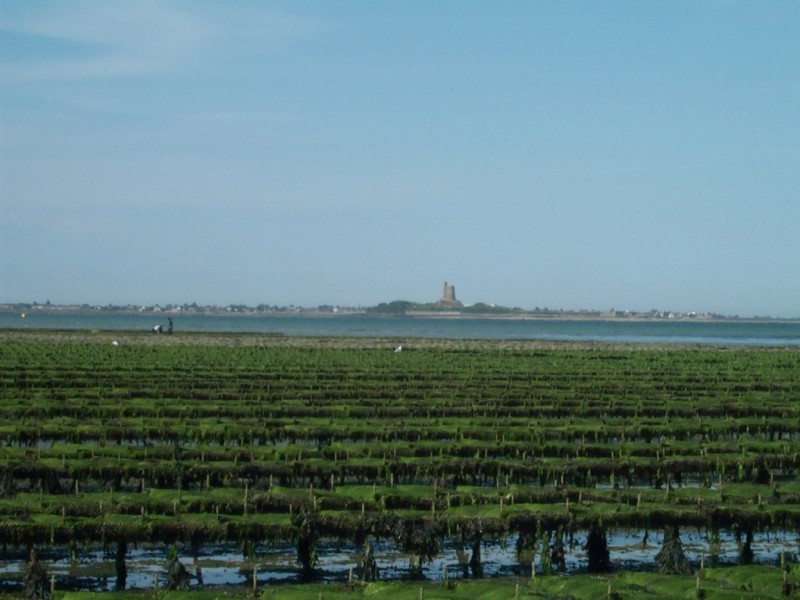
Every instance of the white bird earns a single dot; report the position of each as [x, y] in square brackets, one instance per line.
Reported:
[398, 349]
[115, 343]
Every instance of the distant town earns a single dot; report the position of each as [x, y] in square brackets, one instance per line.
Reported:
[446, 306]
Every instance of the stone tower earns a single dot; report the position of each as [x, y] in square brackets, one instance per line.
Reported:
[449, 294]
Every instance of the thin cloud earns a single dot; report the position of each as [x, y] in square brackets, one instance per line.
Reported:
[118, 40]
[133, 39]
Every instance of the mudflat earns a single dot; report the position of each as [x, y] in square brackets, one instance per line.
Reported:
[271, 340]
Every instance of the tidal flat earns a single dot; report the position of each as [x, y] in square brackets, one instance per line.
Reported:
[464, 467]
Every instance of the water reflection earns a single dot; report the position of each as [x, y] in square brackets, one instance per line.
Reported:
[223, 564]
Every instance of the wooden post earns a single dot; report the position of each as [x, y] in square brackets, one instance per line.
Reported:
[255, 578]
[155, 581]
[52, 584]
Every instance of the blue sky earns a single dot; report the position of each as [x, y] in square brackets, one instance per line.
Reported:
[572, 154]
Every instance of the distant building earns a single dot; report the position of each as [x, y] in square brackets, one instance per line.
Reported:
[449, 296]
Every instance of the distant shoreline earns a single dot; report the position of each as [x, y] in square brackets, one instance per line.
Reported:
[314, 313]
[569, 316]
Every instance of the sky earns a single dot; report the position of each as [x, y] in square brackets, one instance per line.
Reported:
[562, 154]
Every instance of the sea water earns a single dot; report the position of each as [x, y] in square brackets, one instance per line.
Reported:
[93, 567]
[667, 331]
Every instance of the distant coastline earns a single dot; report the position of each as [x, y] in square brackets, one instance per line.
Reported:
[599, 316]
[416, 312]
